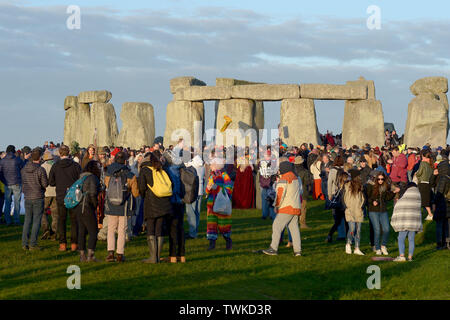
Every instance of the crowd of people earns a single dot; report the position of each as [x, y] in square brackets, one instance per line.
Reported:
[119, 193]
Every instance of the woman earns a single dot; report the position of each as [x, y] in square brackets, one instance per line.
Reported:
[407, 220]
[88, 156]
[217, 222]
[354, 215]
[378, 195]
[315, 170]
[156, 209]
[288, 208]
[244, 185]
[441, 204]
[86, 211]
[339, 180]
[423, 176]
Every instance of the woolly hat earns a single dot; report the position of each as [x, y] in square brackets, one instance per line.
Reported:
[354, 173]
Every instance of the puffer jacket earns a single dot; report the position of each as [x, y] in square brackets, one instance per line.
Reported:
[173, 171]
[289, 194]
[353, 204]
[132, 185]
[34, 181]
[10, 167]
[154, 206]
[441, 184]
[63, 174]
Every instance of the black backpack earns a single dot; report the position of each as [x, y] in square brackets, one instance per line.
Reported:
[190, 184]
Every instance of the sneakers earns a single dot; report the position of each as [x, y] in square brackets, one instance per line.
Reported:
[378, 252]
[384, 250]
[62, 247]
[429, 218]
[358, 252]
[297, 254]
[73, 247]
[374, 249]
[348, 248]
[45, 235]
[270, 252]
[25, 247]
[329, 239]
[410, 259]
[399, 259]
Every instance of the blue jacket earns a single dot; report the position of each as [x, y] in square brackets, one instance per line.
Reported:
[10, 168]
[173, 172]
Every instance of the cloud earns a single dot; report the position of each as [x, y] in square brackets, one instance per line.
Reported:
[135, 54]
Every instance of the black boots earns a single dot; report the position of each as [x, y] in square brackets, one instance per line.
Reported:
[228, 243]
[160, 242]
[152, 248]
[83, 257]
[91, 257]
[212, 244]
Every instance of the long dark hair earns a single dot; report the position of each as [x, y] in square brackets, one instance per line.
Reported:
[355, 185]
[377, 189]
[93, 167]
[154, 162]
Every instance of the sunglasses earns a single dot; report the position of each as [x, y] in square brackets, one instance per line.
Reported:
[382, 179]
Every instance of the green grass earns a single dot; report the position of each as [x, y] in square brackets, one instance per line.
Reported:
[323, 272]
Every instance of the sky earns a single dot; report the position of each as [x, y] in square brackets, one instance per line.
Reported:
[133, 49]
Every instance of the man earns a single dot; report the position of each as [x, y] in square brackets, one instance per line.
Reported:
[193, 209]
[62, 175]
[307, 185]
[35, 181]
[365, 171]
[10, 167]
[267, 177]
[49, 231]
[399, 169]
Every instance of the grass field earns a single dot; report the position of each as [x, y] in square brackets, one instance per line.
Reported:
[323, 272]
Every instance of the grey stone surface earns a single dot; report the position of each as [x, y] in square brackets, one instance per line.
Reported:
[429, 85]
[370, 86]
[181, 117]
[183, 82]
[77, 125]
[101, 96]
[258, 117]
[103, 120]
[70, 102]
[427, 122]
[299, 117]
[228, 82]
[197, 93]
[138, 125]
[363, 123]
[268, 92]
[242, 112]
[333, 92]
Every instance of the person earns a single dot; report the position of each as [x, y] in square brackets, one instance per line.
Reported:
[63, 175]
[118, 213]
[411, 162]
[86, 211]
[217, 222]
[307, 185]
[354, 201]
[440, 181]
[332, 187]
[49, 231]
[10, 167]
[378, 195]
[315, 170]
[88, 156]
[407, 220]
[193, 209]
[35, 181]
[423, 176]
[288, 209]
[267, 177]
[399, 171]
[365, 171]
[2, 201]
[325, 167]
[387, 138]
[244, 185]
[156, 209]
[175, 221]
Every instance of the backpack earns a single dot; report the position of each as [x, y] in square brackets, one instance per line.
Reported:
[162, 186]
[75, 194]
[190, 184]
[117, 192]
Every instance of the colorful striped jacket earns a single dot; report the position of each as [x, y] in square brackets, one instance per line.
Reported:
[222, 180]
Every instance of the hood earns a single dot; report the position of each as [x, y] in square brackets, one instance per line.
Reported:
[443, 168]
[85, 174]
[116, 167]
[196, 162]
[10, 155]
[31, 167]
[65, 163]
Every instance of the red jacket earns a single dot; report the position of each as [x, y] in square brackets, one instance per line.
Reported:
[399, 172]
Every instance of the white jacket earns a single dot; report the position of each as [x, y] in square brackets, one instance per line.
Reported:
[315, 169]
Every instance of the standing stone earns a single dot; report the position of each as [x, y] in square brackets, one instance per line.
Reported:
[181, 119]
[103, 120]
[84, 134]
[258, 117]
[298, 122]
[242, 112]
[363, 123]
[70, 125]
[427, 122]
[77, 122]
[138, 125]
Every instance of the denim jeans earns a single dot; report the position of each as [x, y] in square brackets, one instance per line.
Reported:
[34, 209]
[267, 209]
[354, 233]
[377, 219]
[193, 216]
[15, 190]
[441, 231]
[139, 220]
[401, 242]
